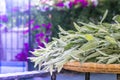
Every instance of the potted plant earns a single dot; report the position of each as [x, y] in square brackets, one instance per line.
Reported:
[96, 43]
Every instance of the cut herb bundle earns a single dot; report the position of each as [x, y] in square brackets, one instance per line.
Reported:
[89, 43]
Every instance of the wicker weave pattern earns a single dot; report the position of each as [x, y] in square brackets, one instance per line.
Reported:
[93, 67]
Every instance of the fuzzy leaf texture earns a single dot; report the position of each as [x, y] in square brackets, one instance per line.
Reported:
[90, 42]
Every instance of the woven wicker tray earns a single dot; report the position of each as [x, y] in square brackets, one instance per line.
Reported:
[93, 67]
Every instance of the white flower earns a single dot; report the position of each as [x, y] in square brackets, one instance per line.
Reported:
[95, 2]
[45, 8]
[35, 2]
[49, 2]
[67, 4]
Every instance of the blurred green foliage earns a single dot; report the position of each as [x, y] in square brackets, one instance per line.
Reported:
[65, 18]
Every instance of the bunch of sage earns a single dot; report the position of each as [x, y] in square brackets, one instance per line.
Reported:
[90, 42]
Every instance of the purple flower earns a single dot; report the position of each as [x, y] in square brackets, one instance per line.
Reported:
[15, 9]
[26, 31]
[36, 27]
[60, 4]
[48, 32]
[4, 18]
[26, 47]
[40, 35]
[46, 39]
[44, 25]
[37, 39]
[47, 26]
[21, 56]
[70, 4]
[30, 22]
[41, 44]
[1, 25]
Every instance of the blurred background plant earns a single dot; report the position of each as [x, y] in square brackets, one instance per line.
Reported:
[40, 29]
[26, 19]
[65, 12]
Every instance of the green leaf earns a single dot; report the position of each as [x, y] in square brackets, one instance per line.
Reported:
[89, 46]
[77, 27]
[90, 56]
[74, 57]
[89, 25]
[69, 45]
[89, 37]
[100, 52]
[110, 39]
[117, 18]
[62, 30]
[104, 16]
[112, 60]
